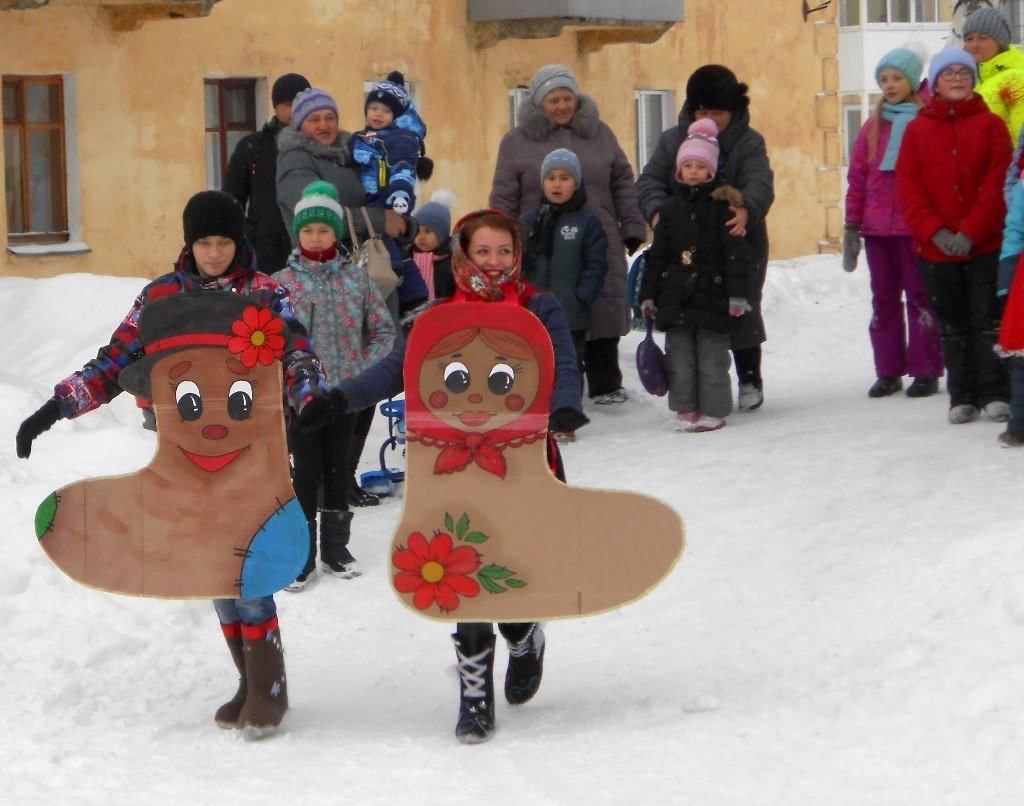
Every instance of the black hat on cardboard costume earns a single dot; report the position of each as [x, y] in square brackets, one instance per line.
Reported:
[236, 323]
[715, 86]
[213, 212]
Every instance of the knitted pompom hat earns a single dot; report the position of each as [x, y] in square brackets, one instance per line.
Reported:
[391, 92]
[319, 204]
[309, 101]
[701, 144]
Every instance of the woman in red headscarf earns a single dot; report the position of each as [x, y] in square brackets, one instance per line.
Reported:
[487, 264]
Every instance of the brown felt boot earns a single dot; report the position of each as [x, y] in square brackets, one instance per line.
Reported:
[227, 715]
[267, 696]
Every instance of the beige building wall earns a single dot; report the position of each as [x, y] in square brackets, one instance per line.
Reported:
[139, 117]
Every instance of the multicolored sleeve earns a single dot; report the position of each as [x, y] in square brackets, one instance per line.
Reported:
[96, 383]
[304, 377]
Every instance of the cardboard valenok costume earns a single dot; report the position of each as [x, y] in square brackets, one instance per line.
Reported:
[214, 514]
[487, 532]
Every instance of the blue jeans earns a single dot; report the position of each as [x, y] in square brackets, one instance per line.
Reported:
[248, 611]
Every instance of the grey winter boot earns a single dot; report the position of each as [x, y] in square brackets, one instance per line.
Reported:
[227, 715]
[335, 530]
[476, 688]
[525, 664]
[267, 697]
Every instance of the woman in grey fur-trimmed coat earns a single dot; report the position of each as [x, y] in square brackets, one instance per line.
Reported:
[714, 91]
[556, 115]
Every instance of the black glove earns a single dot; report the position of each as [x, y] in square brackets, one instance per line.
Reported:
[339, 403]
[632, 244]
[851, 247]
[960, 245]
[317, 413]
[566, 420]
[41, 421]
[943, 239]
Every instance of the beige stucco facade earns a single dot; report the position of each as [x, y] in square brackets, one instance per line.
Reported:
[136, 113]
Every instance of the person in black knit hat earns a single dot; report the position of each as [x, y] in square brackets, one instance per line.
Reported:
[251, 178]
[714, 92]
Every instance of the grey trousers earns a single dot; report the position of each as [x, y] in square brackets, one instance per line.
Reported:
[697, 364]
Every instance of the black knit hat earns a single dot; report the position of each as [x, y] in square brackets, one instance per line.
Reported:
[714, 86]
[391, 92]
[213, 212]
[287, 87]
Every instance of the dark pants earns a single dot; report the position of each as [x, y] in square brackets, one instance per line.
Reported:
[360, 430]
[963, 296]
[601, 366]
[748, 365]
[322, 456]
[1016, 423]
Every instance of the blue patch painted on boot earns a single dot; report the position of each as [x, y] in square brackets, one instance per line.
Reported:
[277, 552]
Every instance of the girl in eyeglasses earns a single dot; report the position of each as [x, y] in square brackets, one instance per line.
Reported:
[949, 176]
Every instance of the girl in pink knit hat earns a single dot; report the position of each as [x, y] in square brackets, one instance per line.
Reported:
[695, 285]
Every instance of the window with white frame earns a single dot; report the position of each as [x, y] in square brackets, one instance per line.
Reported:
[853, 119]
[655, 112]
[516, 97]
[855, 12]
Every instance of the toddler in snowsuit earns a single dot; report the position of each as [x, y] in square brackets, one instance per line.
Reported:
[695, 284]
[565, 250]
[342, 308]
[215, 259]
[431, 248]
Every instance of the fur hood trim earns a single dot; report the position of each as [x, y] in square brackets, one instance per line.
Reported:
[535, 125]
[729, 194]
[291, 139]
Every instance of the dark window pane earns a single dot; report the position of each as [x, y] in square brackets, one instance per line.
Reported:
[12, 182]
[877, 11]
[214, 171]
[236, 106]
[233, 138]
[44, 181]
[900, 10]
[42, 102]
[850, 12]
[211, 96]
[10, 103]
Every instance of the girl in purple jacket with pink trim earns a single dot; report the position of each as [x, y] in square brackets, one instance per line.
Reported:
[901, 346]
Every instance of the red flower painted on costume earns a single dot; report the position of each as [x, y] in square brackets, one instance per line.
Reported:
[258, 337]
[435, 572]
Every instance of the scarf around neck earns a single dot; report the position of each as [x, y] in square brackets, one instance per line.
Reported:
[541, 239]
[899, 115]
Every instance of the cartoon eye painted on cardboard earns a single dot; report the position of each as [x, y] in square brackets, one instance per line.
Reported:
[240, 400]
[456, 377]
[501, 379]
[189, 400]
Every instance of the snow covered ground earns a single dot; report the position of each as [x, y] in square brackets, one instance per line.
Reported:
[845, 627]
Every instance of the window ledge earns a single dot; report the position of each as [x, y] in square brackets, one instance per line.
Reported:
[39, 249]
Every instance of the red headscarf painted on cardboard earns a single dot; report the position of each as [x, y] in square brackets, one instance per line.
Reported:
[460, 393]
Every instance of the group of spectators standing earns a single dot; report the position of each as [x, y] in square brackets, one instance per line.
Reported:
[934, 192]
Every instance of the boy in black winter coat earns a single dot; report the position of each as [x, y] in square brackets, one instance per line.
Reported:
[565, 250]
[695, 284]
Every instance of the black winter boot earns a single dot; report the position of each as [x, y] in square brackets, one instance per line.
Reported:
[525, 664]
[335, 530]
[310, 567]
[227, 715]
[267, 697]
[476, 687]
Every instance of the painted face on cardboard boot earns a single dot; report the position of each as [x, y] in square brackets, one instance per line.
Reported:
[479, 380]
[211, 407]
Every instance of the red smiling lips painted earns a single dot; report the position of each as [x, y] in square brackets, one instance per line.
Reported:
[212, 464]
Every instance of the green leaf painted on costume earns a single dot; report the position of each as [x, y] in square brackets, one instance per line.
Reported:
[515, 583]
[449, 524]
[491, 585]
[45, 515]
[495, 572]
[476, 537]
[462, 526]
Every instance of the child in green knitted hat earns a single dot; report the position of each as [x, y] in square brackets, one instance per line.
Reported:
[346, 317]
